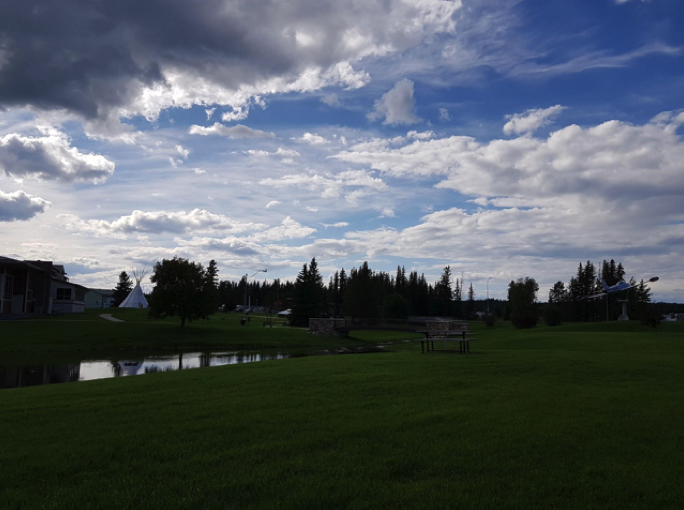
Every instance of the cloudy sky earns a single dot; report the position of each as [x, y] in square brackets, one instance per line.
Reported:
[506, 138]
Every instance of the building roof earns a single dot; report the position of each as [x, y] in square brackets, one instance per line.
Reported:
[104, 292]
[22, 264]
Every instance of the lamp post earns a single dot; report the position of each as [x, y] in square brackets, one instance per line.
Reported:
[247, 277]
[488, 295]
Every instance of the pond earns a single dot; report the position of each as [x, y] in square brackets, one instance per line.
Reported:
[88, 370]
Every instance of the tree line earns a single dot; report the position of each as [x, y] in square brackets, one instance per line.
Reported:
[188, 290]
[569, 301]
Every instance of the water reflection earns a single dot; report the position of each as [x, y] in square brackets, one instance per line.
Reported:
[88, 370]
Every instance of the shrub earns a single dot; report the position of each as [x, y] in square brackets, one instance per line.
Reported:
[524, 320]
[650, 316]
[490, 319]
[553, 315]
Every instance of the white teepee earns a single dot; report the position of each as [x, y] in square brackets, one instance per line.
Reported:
[136, 298]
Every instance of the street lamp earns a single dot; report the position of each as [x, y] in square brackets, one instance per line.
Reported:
[247, 277]
[488, 295]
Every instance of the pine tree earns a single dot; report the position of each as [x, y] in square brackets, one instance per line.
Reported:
[309, 294]
[211, 288]
[458, 298]
[470, 305]
[444, 294]
[361, 296]
[122, 289]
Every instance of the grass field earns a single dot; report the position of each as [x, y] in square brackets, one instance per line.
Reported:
[77, 335]
[579, 416]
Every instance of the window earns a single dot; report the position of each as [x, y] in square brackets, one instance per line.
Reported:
[63, 294]
[9, 287]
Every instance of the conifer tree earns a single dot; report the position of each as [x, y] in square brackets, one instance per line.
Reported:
[309, 295]
[444, 294]
[122, 289]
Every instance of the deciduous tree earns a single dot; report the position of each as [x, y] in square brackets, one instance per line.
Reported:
[183, 289]
[522, 296]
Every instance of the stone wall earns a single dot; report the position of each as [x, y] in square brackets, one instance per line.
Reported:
[327, 327]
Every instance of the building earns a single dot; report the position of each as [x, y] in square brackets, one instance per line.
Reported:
[99, 298]
[24, 287]
[35, 287]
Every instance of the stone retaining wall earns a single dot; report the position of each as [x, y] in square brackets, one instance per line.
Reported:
[327, 327]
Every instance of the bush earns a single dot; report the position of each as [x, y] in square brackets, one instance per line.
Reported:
[553, 315]
[650, 316]
[524, 320]
[490, 319]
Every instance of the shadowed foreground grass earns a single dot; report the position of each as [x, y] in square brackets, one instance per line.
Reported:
[574, 417]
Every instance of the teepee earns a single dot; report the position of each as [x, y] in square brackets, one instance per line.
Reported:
[136, 298]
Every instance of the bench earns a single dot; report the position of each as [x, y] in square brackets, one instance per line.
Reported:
[446, 331]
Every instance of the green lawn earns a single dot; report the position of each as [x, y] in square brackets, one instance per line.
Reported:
[579, 416]
[75, 335]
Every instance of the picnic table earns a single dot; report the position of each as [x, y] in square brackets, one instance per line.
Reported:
[447, 331]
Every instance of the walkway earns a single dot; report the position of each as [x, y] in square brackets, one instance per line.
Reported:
[110, 318]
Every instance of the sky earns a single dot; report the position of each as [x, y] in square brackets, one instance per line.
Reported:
[504, 138]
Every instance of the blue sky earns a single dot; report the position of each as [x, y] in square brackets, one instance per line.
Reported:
[506, 138]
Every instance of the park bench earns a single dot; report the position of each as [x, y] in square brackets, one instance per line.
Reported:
[446, 331]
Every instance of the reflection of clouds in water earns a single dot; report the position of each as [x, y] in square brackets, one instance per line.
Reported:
[91, 370]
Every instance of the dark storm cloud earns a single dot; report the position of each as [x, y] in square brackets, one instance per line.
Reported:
[88, 56]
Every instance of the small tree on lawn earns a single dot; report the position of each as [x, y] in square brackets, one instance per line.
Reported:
[183, 289]
[522, 296]
[122, 289]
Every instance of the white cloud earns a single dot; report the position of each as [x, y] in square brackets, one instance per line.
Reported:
[397, 106]
[312, 139]
[311, 209]
[158, 222]
[257, 153]
[444, 115]
[613, 160]
[531, 120]
[210, 112]
[425, 135]
[286, 152]
[288, 229]
[387, 213]
[232, 245]
[346, 183]
[199, 171]
[50, 157]
[339, 224]
[20, 206]
[272, 203]
[237, 131]
[331, 100]
[182, 151]
[279, 152]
